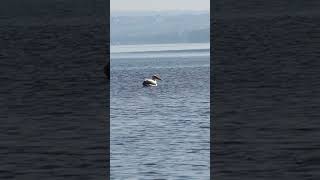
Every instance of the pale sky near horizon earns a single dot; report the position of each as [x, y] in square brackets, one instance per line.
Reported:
[158, 5]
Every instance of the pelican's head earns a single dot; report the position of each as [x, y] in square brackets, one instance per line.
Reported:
[154, 77]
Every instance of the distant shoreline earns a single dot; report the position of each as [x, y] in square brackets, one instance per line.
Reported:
[169, 12]
[160, 50]
[160, 43]
[160, 47]
[152, 43]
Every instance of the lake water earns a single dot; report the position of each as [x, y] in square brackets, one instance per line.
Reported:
[160, 132]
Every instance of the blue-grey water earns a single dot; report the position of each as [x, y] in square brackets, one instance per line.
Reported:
[160, 132]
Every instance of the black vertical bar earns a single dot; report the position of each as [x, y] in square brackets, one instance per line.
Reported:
[265, 89]
[54, 94]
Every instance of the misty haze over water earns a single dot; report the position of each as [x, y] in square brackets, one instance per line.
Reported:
[159, 27]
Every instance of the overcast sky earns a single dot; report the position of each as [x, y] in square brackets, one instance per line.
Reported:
[157, 5]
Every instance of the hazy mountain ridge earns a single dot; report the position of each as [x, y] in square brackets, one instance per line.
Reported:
[159, 27]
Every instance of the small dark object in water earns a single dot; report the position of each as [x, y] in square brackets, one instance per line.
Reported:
[107, 70]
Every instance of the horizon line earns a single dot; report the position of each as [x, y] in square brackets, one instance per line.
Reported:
[162, 10]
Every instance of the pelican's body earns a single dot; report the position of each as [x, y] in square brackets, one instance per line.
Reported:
[152, 81]
[149, 82]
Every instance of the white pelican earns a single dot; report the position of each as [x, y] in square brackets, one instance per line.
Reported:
[152, 81]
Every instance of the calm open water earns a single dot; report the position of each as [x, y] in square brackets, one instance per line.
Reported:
[160, 132]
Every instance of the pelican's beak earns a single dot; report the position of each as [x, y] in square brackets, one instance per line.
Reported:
[160, 79]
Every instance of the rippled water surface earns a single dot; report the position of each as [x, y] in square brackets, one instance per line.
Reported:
[160, 132]
[53, 98]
